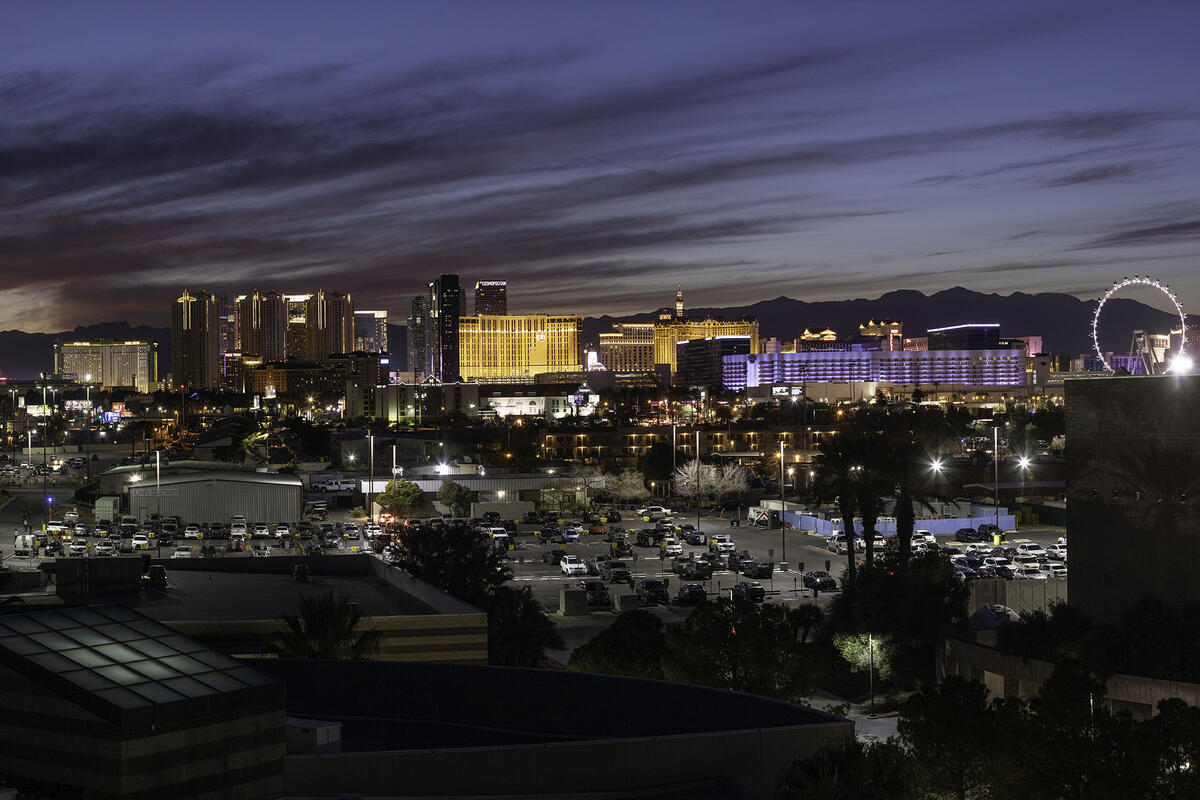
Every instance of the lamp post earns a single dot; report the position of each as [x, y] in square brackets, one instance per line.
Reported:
[782, 536]
[698, 496]
[996, 473]
[371, 482]
[87, 460]
[158, 484]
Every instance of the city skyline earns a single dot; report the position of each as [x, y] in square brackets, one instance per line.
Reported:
[592, 163]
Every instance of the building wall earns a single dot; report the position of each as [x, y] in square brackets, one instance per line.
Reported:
[668, 335]
[912, 367]
[208, 499]
[1133, 461]
[110, 363]
[518, 347]
[195, 341]
[629, 347]
[263, 321]
[491, 297]
[371, 332]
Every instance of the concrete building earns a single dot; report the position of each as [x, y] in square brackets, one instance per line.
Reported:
[701, 360]
[371, 331]
[970, 336]
[263, 325]
[903, 367]
[1132, 474]
[103, 702]
[195, 341]
[411, 403]
[110, 364]
[518, 347]
[674, 326]
[628, 347]
[330, 325]
[445, 310]
[216, 496]
[418, 337]
[890, 333]
[491, 298]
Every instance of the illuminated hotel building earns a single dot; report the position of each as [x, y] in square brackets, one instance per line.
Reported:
[518, 347]
[110, 364]
[669, 334]
[195, 341]
[263, 325]
[370, 331]
[491, 297]
[629, 347]
[998, 367]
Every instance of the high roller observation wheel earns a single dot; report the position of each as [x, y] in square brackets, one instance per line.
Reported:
[1124, 283]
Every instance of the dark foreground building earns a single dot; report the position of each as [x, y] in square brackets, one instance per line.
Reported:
[101, 702]
[1133, 485]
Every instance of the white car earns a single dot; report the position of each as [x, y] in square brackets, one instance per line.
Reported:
[261, 529]
[671, 546]
[106, 547]
[1023, 560]
[282, 530]
[77, 548]
[1053, 569]
[1063, 540]
[1030, 574]
[191, 532]
[837, 544]
[183, 551]
[1032, 548]
[997, 562]
[1057, 552]
[140, 541]
[81, 530]
[576, 528]
[238, 529]
[260, 550]
[571, 565]
[924, 536]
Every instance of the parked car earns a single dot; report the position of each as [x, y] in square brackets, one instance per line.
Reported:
[696, 538]
[1053, 569]
[1033, 549]
[615, 571]
[182, 551]
[531, 518]
[77, 548]
[106, 547]
[697, 570]
[597, 593]
[924, 536]
[1031, 574]
[837, 544]
[669, 546]
[140, 541]
[721, 543]
[652, 590]
[261, 531]
[749, 590]
[819, 580]
[260, 550]
[691, 594]
[190, 532]
[648, 537]
[989, 530]
[571, 565]
[734, 561]
[1023, 560]
[612, 516]
[1058, 552]
[758, 569]
[969, 535]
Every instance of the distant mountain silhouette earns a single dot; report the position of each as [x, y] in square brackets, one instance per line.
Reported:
[28, 355]
[1064, 322]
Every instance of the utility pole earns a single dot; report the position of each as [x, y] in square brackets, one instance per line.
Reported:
[996, 472]
[158, 485]
[371, 482]
[698, 496]
[782, 536]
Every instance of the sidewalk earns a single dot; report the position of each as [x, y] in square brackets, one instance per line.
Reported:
[867, 728]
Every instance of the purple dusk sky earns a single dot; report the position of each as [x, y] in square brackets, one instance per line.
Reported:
[593, 154]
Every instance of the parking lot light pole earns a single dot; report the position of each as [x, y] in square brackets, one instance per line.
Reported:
[371, 480]
[782, 537]
[996, 472]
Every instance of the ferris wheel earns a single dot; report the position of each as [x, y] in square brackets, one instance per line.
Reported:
[1181, 361]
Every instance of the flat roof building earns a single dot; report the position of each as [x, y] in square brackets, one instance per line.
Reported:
[110, 364]
[519, 346]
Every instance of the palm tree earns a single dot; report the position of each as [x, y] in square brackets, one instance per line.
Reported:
[910, 475]
[839, 470]
[324, 627]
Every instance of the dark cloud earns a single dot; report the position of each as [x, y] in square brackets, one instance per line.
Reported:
[1107, 172]
[1166, 233]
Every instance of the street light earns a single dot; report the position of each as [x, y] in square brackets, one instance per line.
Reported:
[782, 537]
[371, 483]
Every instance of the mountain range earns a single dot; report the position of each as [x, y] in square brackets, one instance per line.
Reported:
[1063, 321]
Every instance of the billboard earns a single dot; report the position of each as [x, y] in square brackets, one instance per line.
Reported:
[111, 417]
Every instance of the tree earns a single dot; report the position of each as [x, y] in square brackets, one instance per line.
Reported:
[455, 559]
[695, 479]
[852, 770]
[324, 626]
[740, 646]
[519, 632]
[633, 645]
[731, 479]
[838, 470]
[945, 728]
[400, 496]
[628, 485]
[455, 496]
[657, 463]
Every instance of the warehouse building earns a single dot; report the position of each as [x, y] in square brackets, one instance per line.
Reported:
[216, 496]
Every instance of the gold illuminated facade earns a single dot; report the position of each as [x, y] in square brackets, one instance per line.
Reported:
[629, 347]
[517, 347]
[667, 335]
